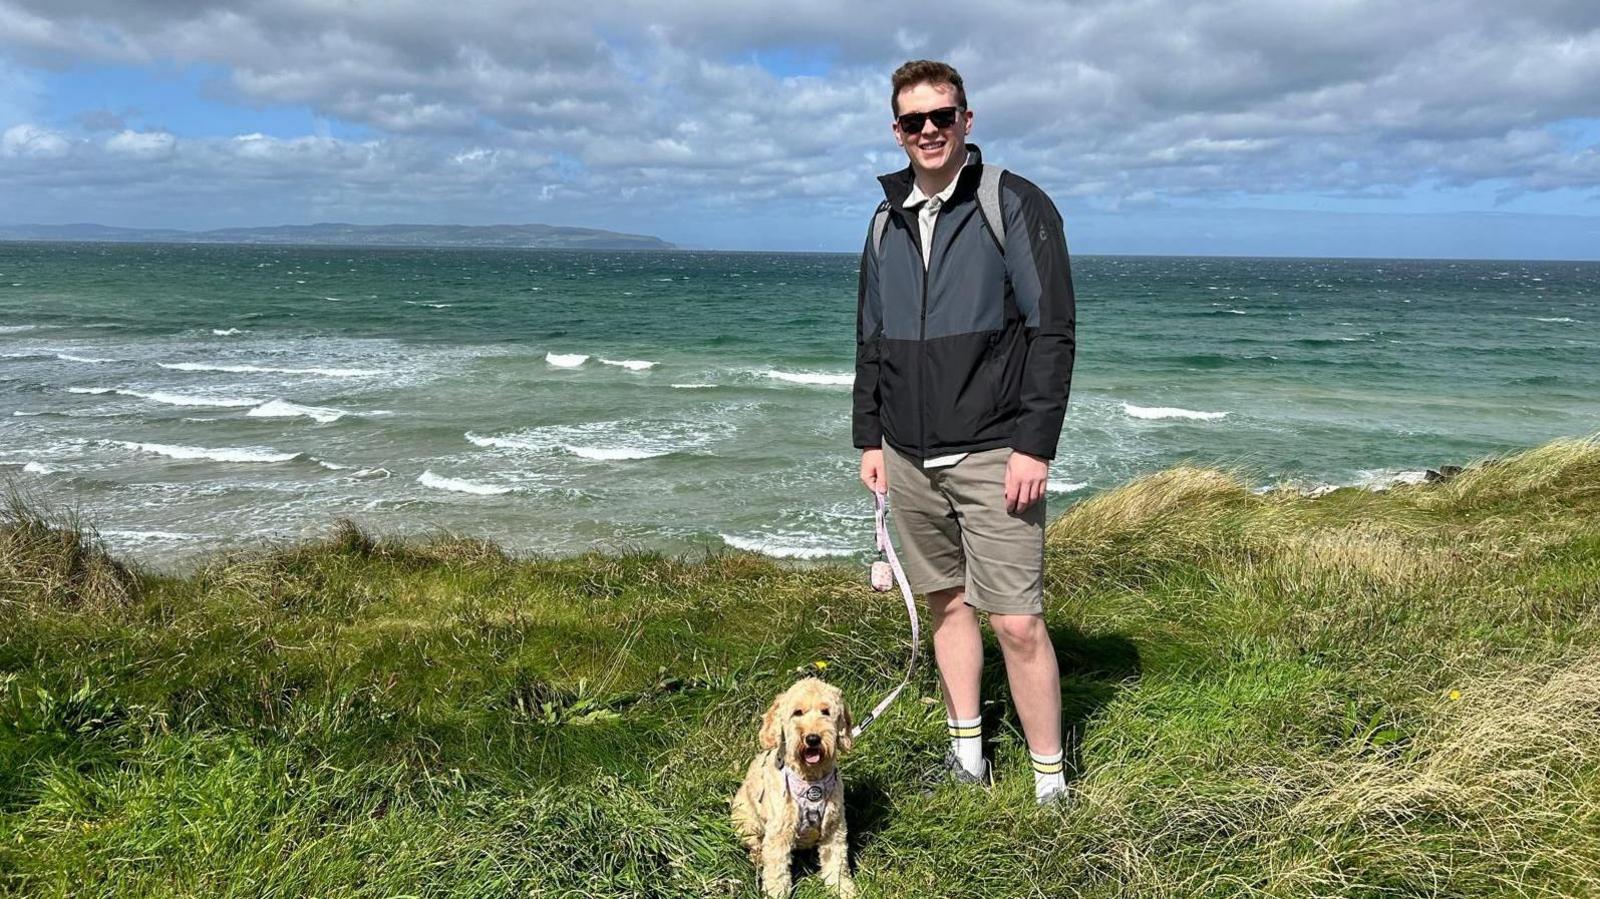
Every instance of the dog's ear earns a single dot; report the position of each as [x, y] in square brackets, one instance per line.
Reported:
[846, 724]
[772, 725]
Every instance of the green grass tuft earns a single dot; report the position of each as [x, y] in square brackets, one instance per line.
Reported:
[53, 558]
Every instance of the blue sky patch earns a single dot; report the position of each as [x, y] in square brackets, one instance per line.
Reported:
[788, 62]
[189, 101]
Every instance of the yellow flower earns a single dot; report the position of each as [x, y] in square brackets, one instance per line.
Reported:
[820, 665]
[1454, 695]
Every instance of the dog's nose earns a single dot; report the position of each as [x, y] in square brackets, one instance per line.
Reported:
[813, 740]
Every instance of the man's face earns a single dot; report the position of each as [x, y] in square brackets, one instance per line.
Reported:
[933, 148]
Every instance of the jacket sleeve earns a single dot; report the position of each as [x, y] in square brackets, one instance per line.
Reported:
[1041, 276]
[865, 430]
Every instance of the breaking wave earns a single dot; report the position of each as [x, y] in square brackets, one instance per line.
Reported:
[457, 485]
[201, 452]
[1162, 412]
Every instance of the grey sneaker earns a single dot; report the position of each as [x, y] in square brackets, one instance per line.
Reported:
[1059, 800]
[957, 772]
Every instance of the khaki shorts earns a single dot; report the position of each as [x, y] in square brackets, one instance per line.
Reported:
[955, 532]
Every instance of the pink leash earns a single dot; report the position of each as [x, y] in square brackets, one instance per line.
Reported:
[882, 583]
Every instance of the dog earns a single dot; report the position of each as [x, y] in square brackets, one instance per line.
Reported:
[793, 796]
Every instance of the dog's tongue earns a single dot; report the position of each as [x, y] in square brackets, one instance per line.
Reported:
[813, 756]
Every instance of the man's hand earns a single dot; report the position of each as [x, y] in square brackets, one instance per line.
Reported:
[872, 471]
[1025, 479]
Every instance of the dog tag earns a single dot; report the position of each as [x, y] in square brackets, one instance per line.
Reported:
[882, 576]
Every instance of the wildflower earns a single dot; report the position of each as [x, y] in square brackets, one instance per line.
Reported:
[1455, 695]
[820, 665]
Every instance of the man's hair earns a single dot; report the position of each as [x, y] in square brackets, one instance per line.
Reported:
[929, 71]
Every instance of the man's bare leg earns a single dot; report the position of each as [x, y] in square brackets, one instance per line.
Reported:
[957, 651]
[1034, 677]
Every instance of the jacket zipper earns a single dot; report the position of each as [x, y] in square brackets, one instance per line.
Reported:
[922, 335]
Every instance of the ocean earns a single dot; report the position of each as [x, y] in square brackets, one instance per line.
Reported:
[191, 399]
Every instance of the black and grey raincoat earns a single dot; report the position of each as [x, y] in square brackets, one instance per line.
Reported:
[974, 350]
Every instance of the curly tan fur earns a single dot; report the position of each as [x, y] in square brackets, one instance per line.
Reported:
[765, 813]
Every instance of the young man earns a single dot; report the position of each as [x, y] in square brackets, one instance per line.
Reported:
[964, 351]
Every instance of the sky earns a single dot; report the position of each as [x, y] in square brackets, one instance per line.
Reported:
[1433, 128]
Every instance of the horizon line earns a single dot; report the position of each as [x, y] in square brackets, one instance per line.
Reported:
[746, 252]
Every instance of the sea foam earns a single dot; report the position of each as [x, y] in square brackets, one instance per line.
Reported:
[456, 485]
[815, 378]
[502, 442]
[1381, 479]
[780, 547]
[185, 399]
[214, 455]
[607, 441]
[629, 364]
[263, 369]
[174, 399]
[567, 360]
[598, 453]
[1161, 412]
[612, 453]
[146, 535]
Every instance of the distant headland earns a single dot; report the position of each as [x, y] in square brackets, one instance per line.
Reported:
[548, 237]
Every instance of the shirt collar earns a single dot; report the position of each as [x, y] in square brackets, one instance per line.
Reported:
[917, 197]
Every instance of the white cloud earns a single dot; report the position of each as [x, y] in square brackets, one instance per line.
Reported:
[142, 144]
[33, 142]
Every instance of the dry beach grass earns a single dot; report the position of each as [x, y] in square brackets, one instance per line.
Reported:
[1364, 694]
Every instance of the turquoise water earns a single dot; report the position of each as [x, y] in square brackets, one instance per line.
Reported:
[193, 398]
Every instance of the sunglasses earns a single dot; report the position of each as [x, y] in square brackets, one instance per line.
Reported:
[911, 122]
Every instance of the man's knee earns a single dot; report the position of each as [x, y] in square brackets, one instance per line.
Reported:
[1020, 632]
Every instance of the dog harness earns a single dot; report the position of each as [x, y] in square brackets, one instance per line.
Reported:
[811, 800]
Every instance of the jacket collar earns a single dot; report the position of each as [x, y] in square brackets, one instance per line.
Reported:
[897, 185]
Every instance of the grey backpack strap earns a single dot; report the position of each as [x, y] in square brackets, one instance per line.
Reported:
[989, 203]
[880, 224]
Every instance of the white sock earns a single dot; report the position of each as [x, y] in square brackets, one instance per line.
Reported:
[966, 741]
[1049, 773]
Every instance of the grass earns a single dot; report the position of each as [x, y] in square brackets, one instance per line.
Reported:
[1365, 695]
